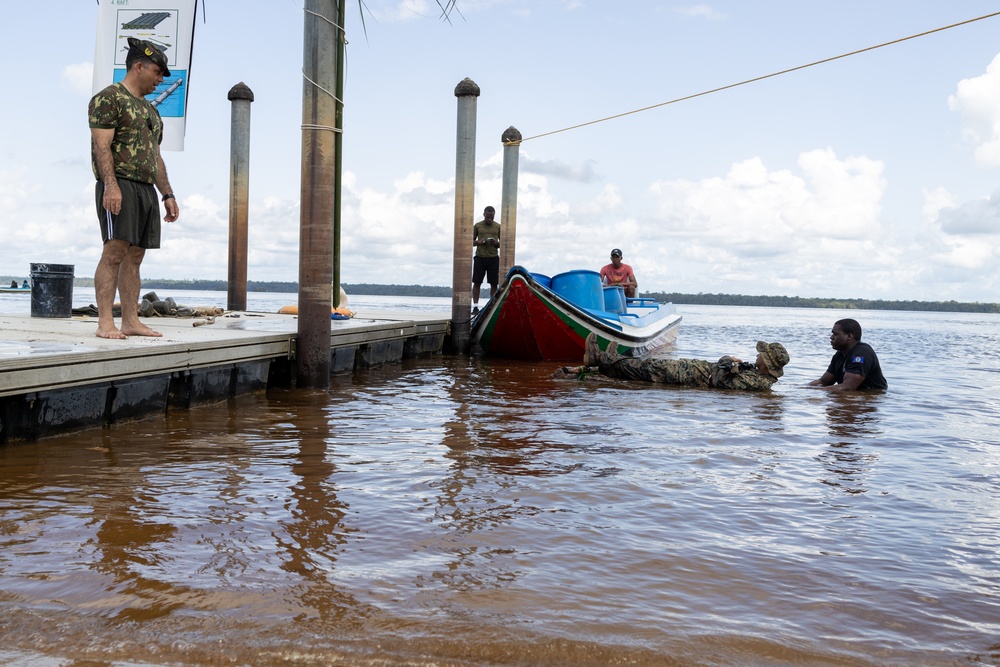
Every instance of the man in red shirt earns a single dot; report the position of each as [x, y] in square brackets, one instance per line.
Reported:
[617, 273]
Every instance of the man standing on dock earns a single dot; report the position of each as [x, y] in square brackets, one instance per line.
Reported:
[486, 262]
[126, 131]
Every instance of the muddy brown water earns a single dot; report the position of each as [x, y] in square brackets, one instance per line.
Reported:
[454, 511]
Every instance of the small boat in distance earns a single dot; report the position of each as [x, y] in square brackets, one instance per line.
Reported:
[537, 318]
[15, 290]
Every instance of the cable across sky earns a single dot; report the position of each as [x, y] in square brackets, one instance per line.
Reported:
[761, 78]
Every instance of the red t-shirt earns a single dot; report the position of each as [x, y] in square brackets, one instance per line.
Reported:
[612, 276]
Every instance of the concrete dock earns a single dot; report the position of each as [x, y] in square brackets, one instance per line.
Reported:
[56, 375]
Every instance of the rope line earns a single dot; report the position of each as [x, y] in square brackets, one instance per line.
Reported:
[320, 16]
[335, 99]
[310, 126]
[761, 78]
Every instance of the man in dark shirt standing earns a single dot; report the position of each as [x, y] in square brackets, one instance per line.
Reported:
[854, 365]
[486, 262]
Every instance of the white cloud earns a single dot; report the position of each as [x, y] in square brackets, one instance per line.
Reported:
[751, 205]
[607, 201]
[966, 255]
[581, 173]
[846, 195]
[14, 189]
[978, 217]
[978, 100]
[934, 201]
[778, 228]
[701, 11]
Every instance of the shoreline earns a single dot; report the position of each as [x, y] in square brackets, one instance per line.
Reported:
[765, 301]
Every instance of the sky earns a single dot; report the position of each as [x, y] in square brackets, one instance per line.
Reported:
[874, 176]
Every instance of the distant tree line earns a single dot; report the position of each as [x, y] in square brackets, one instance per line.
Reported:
[662, 297]
[280, 286]
[398, 290]
[812, 302]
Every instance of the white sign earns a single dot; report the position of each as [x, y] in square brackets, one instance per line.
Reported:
[169, 24]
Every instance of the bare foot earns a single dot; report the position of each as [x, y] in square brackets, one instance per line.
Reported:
[112, 334]
[141, 330]
[591, 350]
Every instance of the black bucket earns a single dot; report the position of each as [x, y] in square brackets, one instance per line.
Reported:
[51, 290]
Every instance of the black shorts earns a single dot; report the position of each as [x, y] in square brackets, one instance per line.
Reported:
[138, 221]
[485, 266]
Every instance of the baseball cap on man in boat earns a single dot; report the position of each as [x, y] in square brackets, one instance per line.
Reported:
[140, 48]
[616, 253]
[775, 357]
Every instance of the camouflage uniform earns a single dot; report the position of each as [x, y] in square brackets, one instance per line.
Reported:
[726, 373]
[138, 131]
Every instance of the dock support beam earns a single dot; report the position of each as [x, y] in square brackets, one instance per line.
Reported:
[239, 191]
[511, 139]
[467, 93]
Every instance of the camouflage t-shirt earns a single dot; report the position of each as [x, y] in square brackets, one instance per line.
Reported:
[729, 374]
[138, 132]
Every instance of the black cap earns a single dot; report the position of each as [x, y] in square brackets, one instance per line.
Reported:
[138, 48]
[616, 252]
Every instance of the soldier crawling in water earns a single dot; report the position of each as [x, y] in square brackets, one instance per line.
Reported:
[727, 373]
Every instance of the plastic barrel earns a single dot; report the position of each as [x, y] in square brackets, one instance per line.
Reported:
[542, 280]
[614, 299]
[51, 290]
[581, 287]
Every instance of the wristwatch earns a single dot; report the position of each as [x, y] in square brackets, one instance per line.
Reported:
[169, 195]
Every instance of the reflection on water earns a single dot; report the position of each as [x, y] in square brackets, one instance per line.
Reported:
[854, 427]
[450, 511]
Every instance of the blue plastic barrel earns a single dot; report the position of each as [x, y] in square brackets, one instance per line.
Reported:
[582, 287]
[614, 299]
[542, 280]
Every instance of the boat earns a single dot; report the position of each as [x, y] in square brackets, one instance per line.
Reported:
[15, 290]
[533, 317]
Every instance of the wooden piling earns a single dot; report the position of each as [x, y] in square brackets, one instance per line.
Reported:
[511, 139]
[338, 155]
[239, 190]
[467, 93]
[319, 108]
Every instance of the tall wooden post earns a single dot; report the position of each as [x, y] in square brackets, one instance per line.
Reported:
[338, 156]
[319, 108]
[511, 139]
[239, 191]
[467, 93]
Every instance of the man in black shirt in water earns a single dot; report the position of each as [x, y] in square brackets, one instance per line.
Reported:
[854, 365]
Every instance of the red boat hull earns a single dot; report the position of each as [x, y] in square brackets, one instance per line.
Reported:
[526, 320]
